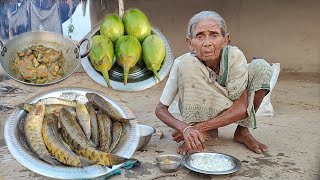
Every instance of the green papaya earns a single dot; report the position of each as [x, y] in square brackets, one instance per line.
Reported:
[101, 55]
[136, 24]
[128, 52]
[112, 27]
[153, 53]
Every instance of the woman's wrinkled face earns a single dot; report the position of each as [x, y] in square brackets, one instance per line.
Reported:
[207, 41]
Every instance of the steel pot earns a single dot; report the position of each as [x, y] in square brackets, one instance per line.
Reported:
[48, 39]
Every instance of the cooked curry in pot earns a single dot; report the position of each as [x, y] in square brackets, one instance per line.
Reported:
[39, 64]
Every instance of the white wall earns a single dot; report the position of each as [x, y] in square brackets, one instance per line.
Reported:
[285, 31]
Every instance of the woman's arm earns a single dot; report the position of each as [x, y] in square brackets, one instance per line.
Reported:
[236, 112]
[193, 138]
[166, 117]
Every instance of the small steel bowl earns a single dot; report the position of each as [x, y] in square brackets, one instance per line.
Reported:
[169, 163]
[145, 135]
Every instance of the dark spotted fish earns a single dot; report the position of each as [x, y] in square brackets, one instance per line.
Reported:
[33, 133]
[54, 100]
[83, 119]
[100, 103]
[75, 137]
[93, 124]
[51, 108]
[104, 125]
[116, 134]
[54, 145]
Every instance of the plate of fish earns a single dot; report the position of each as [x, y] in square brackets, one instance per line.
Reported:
[72, 133]
[211, 163]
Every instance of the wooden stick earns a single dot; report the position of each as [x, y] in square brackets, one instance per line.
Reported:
[9, 14]
[121, 8]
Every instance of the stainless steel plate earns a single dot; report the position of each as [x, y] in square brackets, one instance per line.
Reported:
[232, 164]
[139, 78]
[17, 145]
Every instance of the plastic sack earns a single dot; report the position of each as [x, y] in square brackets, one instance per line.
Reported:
[266, 108]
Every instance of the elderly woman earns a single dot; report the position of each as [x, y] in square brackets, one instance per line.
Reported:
[215, 87]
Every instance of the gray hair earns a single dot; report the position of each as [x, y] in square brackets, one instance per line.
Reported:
[203, 15]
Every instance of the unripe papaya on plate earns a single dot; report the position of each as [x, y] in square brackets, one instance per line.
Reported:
[136, 24]
[128, 52]
[112, 27]
[101, 55]
[153, 53]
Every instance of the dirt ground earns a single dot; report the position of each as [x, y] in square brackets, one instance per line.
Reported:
[293, 135]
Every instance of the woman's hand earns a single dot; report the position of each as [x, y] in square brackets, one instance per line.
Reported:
[177, 136]
[193, 138]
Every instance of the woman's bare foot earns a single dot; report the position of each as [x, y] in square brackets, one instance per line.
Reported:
[243, 136]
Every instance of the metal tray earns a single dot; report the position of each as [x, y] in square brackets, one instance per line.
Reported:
[235, 163]
[17, 145]
[139, 78]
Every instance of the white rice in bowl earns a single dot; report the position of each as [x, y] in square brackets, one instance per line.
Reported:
[209, 162]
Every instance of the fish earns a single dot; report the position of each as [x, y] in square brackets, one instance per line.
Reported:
[62, 139]
[93, 124]
[71, 127]
[104, 124]
[72, 133]
[54, 100]
[116, 134]
[84, 119]
[122, 141]
[33, 133]
[51, 108]
[84, 161]
[100, 103]
[54, 145]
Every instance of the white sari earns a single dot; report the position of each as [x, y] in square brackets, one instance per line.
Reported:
[203, 95]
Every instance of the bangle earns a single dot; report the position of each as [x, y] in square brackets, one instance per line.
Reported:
[184, 130]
